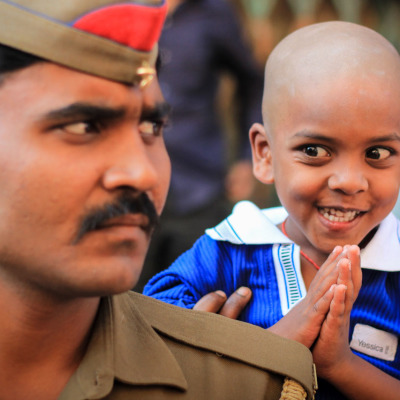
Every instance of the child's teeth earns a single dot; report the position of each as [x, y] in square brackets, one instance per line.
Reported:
[335, 215]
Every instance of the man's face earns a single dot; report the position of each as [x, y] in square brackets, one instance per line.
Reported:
[336, 161]
[76, 152]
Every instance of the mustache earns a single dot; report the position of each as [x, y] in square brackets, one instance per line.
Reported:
[123, 205]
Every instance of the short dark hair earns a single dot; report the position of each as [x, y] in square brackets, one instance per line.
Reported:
[12, 59]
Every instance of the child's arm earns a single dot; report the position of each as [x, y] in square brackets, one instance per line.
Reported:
[201, 270]
[350, 374]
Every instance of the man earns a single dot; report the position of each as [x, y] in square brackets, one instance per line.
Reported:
[84, 176]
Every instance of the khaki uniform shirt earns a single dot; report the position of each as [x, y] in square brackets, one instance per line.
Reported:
[141, 348]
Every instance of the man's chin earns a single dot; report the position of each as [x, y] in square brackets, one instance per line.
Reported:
[109, 288]
[117, 275]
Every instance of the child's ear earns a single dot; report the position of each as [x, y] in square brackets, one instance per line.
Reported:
[262, 156]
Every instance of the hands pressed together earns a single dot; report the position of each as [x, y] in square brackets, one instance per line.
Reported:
[321, 321]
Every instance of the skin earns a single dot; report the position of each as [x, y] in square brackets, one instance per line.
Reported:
[331, 145]
[57, 162]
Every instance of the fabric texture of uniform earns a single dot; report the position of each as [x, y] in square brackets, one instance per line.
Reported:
[141, 348]
[112, 39]
[247, 249]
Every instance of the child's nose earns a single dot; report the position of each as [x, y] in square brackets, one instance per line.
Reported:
[348, 178]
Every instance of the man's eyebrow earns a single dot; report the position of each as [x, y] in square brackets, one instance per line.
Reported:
[160, 111]
[84, 111]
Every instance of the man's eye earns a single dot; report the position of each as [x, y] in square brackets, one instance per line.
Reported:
[315, 151]
[150, 128]
[81, 128]
[378, 153]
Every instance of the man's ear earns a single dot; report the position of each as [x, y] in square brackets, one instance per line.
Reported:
[262, 156]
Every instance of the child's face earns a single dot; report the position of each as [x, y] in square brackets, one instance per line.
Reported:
[335, 159]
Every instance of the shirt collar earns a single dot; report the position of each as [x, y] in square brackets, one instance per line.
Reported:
[124, 347]
[249, 225]
[383, 251]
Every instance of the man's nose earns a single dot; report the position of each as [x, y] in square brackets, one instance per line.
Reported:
[348, 177]
[131, 165]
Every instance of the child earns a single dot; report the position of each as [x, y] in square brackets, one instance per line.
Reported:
[331, 144]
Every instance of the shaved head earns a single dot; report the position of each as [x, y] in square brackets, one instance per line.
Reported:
[331, 136]
[324, 55]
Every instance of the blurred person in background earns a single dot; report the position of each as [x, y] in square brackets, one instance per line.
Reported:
[201, 42]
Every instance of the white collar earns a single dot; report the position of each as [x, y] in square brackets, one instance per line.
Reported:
[249, 225]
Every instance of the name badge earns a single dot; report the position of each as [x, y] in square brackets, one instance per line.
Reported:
[374, 342]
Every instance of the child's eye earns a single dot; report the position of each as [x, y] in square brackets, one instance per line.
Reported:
[81, 128]
[151, 128]
[315, 151]
[378, 153]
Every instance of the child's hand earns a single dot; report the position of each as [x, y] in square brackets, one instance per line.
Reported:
[332, 349]
[304, 321]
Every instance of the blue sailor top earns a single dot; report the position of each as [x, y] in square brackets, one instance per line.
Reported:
[247, 249]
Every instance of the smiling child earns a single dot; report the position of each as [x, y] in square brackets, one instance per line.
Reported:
[330, 143]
